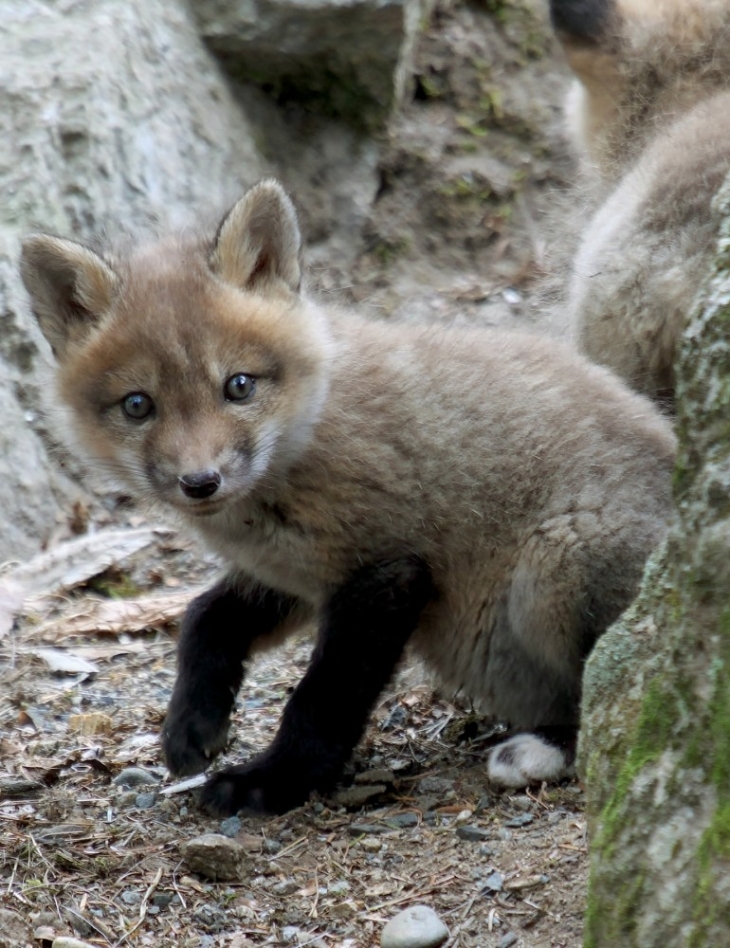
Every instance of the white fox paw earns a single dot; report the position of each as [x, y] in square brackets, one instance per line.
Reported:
[528, 758]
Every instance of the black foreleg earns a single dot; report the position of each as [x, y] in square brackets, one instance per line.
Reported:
[216, 636]
[364, 630]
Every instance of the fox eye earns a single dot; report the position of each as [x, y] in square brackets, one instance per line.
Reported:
[137, 405]
[239, 387]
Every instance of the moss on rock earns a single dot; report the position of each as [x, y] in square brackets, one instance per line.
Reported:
[655, 747]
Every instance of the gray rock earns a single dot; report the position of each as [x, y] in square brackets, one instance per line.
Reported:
[506, 941]
[493, 883]
[132, 777]
[131, 897]
[145, 801]
[231, 826]
[368, 829]
[416, 927]
[523, 820]
[102, 123]
[215, 857]
[403, 820]
[474, 834]
[351, 58]
[14, 929]
[285, 887]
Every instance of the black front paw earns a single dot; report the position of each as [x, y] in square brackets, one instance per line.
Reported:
[191, 740]
[259, 786]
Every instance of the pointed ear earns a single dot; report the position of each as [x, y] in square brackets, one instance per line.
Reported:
[69, 285]
[259, 240]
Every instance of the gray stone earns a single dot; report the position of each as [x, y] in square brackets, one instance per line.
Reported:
[101, 123]
[145, 801]
[493, 883]
[506, 941]
[416, 927]
[473, 834]
[215, 857]
[14, 930]
[351, 58]
[231, 826]
[132, 777]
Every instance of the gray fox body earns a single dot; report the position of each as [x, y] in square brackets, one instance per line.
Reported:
[487, 498]
[650, 114]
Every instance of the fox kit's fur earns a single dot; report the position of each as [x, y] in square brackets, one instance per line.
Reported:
[489, 498]
[650, 112]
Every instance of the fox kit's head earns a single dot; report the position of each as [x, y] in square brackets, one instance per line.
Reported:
[193, 369]
[638, 64]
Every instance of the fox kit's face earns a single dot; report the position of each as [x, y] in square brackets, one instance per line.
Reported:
[194, 372]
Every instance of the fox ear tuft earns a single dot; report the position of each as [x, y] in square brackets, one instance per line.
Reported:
[69, 285]
[581, 21]
[259, 240]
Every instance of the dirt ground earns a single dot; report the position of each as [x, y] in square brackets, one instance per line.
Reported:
[469, 226]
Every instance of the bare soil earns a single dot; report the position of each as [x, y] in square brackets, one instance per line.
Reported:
[469, 226]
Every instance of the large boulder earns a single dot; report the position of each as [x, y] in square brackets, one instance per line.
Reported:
[656, 724]
[113, 111]
[350, 58]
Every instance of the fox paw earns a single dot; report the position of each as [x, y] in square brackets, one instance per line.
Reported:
[255, 788]
[528, 758]
[190, 741]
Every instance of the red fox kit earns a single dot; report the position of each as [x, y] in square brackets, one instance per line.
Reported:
[651, 115]
[487, 498]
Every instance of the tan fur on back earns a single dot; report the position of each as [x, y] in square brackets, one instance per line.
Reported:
[651, 118]
[533, 483]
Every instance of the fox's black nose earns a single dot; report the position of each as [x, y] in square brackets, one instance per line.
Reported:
[200, 484]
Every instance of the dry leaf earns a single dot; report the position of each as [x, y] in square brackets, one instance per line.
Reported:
[59, 660]
[114, 616]
[92, 723]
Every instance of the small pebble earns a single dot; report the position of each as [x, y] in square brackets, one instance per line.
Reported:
[371, 844]
[132, 777]
[524, 820]
[474, 834]
[131, 897]
[338, 888]
[416, 927]
[493, 883]
[403, 820]
[145, 801]
[368, 829]
[397, 717]
[162, 899]
[231, 827]
[126, 799]
[506, 941]
[285, 887]
[522, 803]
